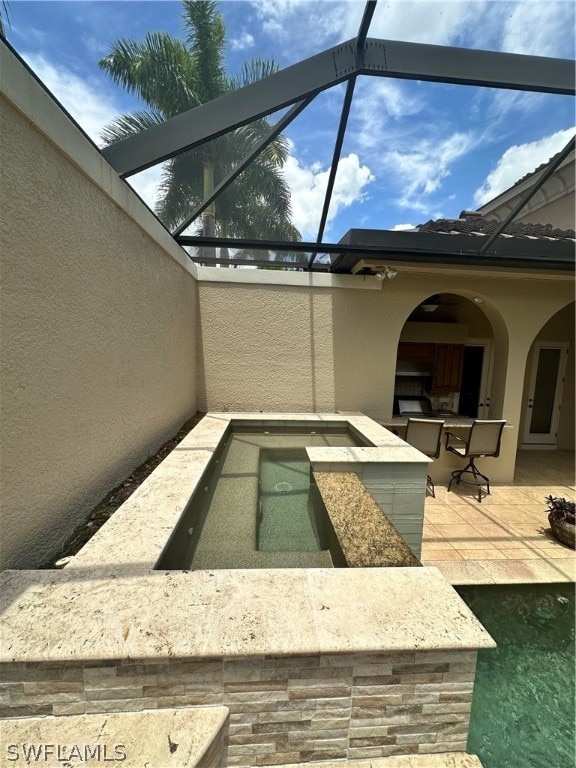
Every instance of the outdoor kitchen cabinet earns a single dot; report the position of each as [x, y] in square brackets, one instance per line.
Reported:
[448, 361]
[440, 362]
[416, 352]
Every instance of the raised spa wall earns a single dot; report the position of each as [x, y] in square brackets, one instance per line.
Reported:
[392, 471]
[311, 664]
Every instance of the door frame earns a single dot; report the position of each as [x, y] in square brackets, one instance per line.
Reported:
[486, 377]
[544, 441]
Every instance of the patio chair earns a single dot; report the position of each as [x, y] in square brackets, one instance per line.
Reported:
[426, 436]
[484, 440]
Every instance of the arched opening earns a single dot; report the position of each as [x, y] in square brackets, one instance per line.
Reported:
[452, 358]
[547, 420]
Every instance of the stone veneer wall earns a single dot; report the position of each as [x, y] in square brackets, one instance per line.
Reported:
[282, 709]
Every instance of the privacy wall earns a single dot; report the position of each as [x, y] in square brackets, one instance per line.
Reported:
[97, 326]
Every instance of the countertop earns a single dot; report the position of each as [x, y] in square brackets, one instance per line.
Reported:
[450, 422]
[367, 538]
[455, 421]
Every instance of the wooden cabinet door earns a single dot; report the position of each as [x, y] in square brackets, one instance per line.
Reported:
[414, 351]
[448, 363]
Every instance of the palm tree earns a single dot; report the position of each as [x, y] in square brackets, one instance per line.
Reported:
[172, 76]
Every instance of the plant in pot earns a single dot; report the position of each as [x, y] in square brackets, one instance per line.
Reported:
[561, 519]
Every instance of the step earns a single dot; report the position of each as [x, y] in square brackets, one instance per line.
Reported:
[187, 737]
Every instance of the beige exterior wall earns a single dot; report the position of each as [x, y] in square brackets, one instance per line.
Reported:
[280, 347]
[97, 325]
[560, 213]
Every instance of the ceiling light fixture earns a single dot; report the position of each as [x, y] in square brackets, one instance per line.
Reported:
[431, 304]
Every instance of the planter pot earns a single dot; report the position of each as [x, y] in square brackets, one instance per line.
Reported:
[563, 531]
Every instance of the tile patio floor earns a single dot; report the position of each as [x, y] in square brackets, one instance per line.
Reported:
[505, 539]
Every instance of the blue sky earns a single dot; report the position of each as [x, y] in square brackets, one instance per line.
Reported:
[413, 150]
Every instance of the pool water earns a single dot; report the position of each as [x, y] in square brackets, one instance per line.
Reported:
[256, 507]
[291, 517]
[523, 709]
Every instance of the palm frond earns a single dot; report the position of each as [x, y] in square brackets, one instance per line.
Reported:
[159, 71]
[206, 38]
[181, 188]
[251, 72]
[127, 125]
[172, 76]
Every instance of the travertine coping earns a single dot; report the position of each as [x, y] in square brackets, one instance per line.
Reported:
[75, 615]
[140, 529]
[365, 535]
[389, 454]
[182, 738]
[439, 760]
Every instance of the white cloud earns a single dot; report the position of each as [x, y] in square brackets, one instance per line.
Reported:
[436, 23]
[420, 170]
[289, 23]
[536, 27]
[403, 227]
[377, 101]
[308, 186]
[88, 107]
[519, 160]
[539, 28]
[241, 43]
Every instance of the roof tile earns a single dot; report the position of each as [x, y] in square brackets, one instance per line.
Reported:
[474, 223]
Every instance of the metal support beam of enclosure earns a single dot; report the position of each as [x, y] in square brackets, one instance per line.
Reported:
[245, 162]
[379, 58]
[360, 43]
[415, 247]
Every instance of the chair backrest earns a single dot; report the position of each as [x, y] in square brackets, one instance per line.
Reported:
[485, 438]
[425, 435]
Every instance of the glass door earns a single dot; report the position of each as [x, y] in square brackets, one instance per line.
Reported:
[545, 394]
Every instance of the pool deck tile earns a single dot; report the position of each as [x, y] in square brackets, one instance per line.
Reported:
[506, 539]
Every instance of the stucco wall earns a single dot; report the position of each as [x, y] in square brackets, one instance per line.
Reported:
[97, 325]
[559, 212]
[280, 347]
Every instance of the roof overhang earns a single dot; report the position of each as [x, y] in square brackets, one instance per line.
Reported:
[378, 247]
[455, 250]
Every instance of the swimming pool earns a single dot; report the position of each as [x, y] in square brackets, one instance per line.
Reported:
[523, 707]
[256, 506]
